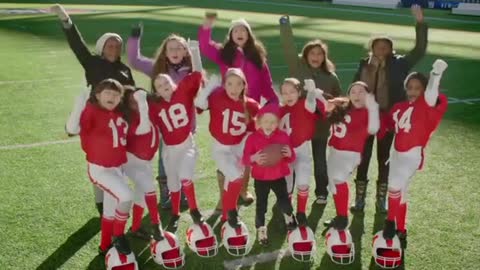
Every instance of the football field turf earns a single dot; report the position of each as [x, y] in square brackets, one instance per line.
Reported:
[47, 214]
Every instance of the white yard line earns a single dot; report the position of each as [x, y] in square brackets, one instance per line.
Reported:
[351, 10]
[39, 144]
[254, 259]
[37, 80]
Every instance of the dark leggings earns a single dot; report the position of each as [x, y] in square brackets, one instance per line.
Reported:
[262, 189]
[383, 154]
[319, 152]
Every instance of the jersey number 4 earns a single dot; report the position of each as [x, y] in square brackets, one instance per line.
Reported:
[285, 124]
[404, 123]
[178, 115]
[236, 125]
[114, 126]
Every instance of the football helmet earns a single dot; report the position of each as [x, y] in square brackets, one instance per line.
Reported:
[386, 252]
[167, 252]
[302, 244]
[340, 246]
[115, 260]
[237, 242]
[202, 240]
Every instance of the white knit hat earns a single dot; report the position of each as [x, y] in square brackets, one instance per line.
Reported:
[103, 39]
[236, 71]
[239, 22]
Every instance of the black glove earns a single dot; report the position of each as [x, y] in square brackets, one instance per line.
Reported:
[137, 30]
[284, 19]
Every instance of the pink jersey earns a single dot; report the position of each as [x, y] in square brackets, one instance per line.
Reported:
[175, 118]
[415, 122]
[103, 135]
[227, 117]
[352, 133]
[142, 146]
[256, 142]
[298, 122]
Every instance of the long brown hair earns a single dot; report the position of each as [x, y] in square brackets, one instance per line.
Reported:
[243, 95]
[253, 50]
[161, 60]
[327, 65]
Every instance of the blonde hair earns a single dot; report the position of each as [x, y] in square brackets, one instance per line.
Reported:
[243, 95]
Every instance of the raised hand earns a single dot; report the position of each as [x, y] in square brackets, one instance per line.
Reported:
[137, 30]
[370, 102]
[210, 18]
[439, 66]
[309, 85]
[417, 13]
[60, 11]
[284, 19]
[140, 96]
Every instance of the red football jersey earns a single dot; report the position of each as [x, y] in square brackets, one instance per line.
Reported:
[103, 135]
[352, 133]
[298, 122]
[175, 118]
[415, 122]
[142, 146]
[227, 117]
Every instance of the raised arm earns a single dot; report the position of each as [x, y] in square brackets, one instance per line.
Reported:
[313, 94]
[74, 38]
[421, 40]
[140, 97]
[208, 47]
[135, 57]
[289, 48]
[72, 127]
[373, 114]
[201, 101]
[431, 93]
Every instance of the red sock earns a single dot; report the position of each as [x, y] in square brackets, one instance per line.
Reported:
[175, 199]
[394, 199]
[152, 205]
[137, 217]
[302, 197]
[232, 194]
[119, 223]
[402, 218]
[189, 191]
[224, 205]
[341, 199]
[106, 233]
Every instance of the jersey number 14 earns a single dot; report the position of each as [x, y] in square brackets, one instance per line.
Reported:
[404, 123]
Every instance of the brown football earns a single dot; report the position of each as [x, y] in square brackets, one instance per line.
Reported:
[274, 154]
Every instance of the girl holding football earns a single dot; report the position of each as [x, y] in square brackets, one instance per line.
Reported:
[269, 152]
[354, 119]
[242, 50]
[298, 118]
[103, 133]
[173, 58]
[172, 110]
[232, 115]
[413, 122]
[312, 63]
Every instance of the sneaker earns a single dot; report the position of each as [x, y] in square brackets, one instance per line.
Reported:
[290, 222]
[141, 233]
[389, 229]
[157, 232]
[173, 223]
[102, 252]
[403, 238]
[121, 244]
[321, 199]
[196, 216]
[302, 219]
[262, 236]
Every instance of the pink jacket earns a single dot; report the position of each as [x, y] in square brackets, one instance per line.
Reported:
[259, 80]
[258, 141]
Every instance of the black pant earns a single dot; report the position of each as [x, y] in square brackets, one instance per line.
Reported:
[319, 152]
[262, 189]
[383, 153]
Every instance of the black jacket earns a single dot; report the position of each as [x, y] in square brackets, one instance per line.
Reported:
[96, 67]
[399, 66]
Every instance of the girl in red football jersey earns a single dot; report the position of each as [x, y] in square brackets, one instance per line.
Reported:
[103, 133]
[354, 119]
[172, 111]
[299, 116]
[232, 115]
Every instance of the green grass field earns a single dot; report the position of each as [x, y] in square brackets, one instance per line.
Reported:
[47, 215]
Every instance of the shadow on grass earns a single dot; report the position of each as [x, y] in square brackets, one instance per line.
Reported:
[73, 244]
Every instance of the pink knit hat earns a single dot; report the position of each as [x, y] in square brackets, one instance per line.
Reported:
[271, 107]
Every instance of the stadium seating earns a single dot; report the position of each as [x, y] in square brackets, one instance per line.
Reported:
[467, 9]
[389, 4]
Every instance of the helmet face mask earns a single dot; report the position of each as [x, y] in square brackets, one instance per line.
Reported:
[117, 261]
[167, 252]
[387, 253]
[340, 246]
[207, 247]
[237, 242]
[301, 244]
[202, 240]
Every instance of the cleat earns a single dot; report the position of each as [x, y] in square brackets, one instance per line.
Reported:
[290, 222]
[389, 229]
[302, 219]
[233, 219]
[121, 244]
[196, 216]
[157, 233]
[141, 233]
[339, 223]
[173, 223]
[403, 239]
[321, 199]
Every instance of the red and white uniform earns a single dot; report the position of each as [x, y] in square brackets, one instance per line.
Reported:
[174, 119]
[103, 137]
[229, 129]
[346, 145]
[414, 123]
[299, 123]
[141, 149]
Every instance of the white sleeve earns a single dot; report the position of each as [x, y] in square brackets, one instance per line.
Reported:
[431, 93]
[373, 120]
[195, 54]
[144, 127]
[73, 122]
[201, 101]
[310, 101]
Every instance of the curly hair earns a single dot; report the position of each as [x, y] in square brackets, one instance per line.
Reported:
[161, 60]
[327, 65]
